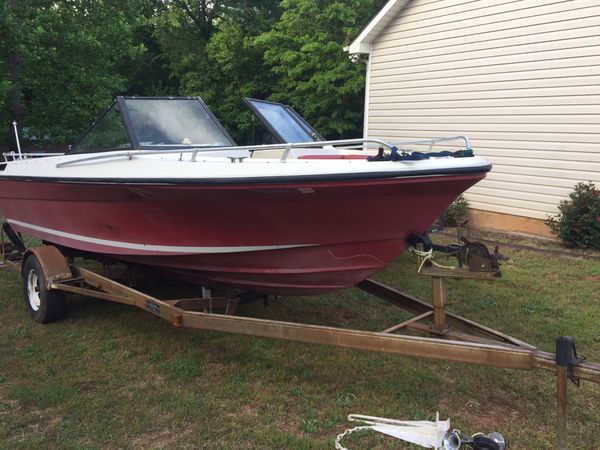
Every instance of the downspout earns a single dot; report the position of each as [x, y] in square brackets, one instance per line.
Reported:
[356, 58]
[366, 107]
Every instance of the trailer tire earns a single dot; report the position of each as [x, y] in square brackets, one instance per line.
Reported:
[44, 305]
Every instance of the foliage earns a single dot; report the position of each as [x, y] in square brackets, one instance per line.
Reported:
[457, 212]
[69, 59]
[74, 60]
[224, 66]
[578, 220]
[6, 85]
[313, 74]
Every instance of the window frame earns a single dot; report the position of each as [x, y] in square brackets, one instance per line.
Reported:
[130, 129]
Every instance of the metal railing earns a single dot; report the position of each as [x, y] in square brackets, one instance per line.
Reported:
[14, 156]
[434, 141]
[362, 144]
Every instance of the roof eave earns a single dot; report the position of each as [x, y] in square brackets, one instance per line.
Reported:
[358, 48]
[361, 45]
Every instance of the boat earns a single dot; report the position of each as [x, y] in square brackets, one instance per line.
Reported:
[157, 182]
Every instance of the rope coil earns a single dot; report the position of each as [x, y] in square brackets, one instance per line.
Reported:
[348, 432]
[428, 256]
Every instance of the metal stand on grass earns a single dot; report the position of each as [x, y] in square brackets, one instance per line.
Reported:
[47, 276]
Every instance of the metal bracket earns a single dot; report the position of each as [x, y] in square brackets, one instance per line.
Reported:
[566, 356]
[566, 359]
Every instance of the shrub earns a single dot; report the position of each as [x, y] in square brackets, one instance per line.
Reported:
[457, 212]
[578, 220]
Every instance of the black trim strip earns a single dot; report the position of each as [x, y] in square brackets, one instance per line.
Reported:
[261, 180]
[126, 118]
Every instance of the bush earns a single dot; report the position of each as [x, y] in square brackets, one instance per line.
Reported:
[578, 220]
[457, 212]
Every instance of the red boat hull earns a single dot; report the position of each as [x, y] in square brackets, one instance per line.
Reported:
[289, 238]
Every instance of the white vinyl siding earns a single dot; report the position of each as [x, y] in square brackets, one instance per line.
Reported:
[521, 78]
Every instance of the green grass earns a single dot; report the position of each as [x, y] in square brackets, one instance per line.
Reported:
[110, 376]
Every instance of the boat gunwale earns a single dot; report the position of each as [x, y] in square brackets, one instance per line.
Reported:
[311, 178]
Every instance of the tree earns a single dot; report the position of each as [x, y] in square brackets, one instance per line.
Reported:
[73, 57]
[220, 63]
[9, 65]
[305, 51]
[62, 61]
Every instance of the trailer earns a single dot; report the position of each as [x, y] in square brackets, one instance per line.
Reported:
[48, 274]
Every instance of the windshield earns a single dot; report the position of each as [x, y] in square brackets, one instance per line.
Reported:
[285, 123]
[108, 133]
[153, 123]
[165, 123]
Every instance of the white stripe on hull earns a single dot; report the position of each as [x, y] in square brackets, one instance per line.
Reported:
[153, 247]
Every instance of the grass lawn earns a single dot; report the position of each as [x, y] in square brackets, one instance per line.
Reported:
[111, 376]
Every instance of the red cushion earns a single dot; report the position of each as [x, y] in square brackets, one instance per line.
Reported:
[333, 157]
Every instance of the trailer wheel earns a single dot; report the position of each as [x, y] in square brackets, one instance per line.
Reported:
[43, 305]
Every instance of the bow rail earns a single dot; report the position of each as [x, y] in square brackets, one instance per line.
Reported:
[287, 147]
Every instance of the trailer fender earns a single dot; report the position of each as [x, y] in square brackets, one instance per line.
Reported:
[53, 263]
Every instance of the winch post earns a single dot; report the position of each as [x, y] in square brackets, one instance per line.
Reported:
[439, 294]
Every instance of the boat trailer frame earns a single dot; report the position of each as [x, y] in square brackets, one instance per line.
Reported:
[455, 338]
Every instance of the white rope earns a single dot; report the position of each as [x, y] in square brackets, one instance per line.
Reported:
[428, 256]
[338, 439]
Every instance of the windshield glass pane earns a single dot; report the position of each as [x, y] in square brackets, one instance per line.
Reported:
[282, 121]
[164, 123]
[109, 133]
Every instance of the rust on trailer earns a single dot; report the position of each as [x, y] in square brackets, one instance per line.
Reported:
[408, 322]
[561, 413]
[439, 295]
[53, 263]
[454, 323]
[486, 347]
[486, 354]
[202, 304]
[450, 337]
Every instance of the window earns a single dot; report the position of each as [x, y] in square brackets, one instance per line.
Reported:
[108, 133]
[285, 123]
[177, 122]
[154, 123]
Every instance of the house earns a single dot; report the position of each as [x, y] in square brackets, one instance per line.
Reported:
[521, 78]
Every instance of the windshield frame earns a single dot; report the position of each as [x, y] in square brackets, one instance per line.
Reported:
[134, 140]
[73, 147]
[293, 115]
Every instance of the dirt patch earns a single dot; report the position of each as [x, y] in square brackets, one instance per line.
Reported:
[592, 277]
[162, 439]
[49, 415]
[518, 242]
[495, 417]
[345, 316]
[247, 410]
[9, 407]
